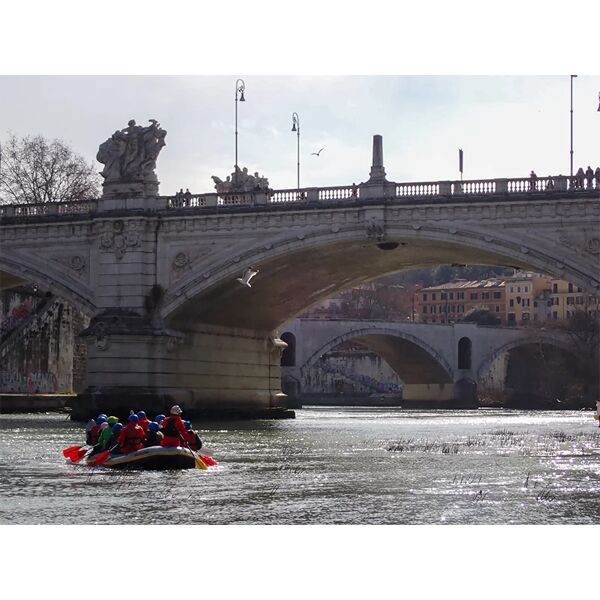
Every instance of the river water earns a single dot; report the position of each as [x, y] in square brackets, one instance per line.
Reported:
[327, 466]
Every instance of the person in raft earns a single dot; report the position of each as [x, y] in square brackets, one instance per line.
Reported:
[191, 437]
[153, 435]
[143, 421]
[173, 429]
[132, 436]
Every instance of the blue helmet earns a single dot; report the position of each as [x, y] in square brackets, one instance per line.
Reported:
[133, 418]
[154, 426]
[102, 415]
[100, 420]
[188, 424]
[159, 418]
[141, 414]
[117, 427]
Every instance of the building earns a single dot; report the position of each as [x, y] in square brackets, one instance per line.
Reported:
[565, 298]
[522, 292]
[450, 301]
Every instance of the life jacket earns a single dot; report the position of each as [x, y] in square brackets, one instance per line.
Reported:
[143, 423]
[94, 432]
[173, 431]
[169, 429]
[131, 438]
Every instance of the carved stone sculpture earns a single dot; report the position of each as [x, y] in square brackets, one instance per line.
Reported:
[240, 181]
[129, 159]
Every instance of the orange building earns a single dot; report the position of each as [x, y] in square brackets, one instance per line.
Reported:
[449, 302]
[522, 290]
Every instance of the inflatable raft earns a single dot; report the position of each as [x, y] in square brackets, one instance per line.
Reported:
[155, 458]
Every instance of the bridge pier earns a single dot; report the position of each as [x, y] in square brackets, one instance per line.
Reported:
[460, 394]
[210, 371]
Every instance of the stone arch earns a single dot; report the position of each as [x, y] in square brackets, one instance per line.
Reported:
[288, 356]
[464, 353]
[47, 277]
[337, 258]
[486, 363]
[411, 358]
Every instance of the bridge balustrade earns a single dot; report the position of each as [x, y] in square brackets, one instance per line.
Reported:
[498, 188]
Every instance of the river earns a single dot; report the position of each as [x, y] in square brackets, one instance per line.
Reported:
[327, 466]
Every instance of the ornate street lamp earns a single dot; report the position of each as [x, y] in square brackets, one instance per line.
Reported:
[296, 127]
[572, 77]
[240, 87]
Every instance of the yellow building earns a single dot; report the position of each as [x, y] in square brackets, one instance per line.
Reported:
[521, 292]
[566, 298]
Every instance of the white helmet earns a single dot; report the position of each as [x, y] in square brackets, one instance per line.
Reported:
[176, 410]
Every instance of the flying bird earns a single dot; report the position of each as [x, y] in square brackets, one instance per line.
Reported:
[316, 153]
[247, 276]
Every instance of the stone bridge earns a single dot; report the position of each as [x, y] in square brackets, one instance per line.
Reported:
[158, 275]
[438, 364]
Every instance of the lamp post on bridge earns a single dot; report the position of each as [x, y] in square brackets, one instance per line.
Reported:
[240, 87]
[296, 127]
[572, 77]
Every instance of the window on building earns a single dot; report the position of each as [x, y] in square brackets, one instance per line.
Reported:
[518, 289]
[525, 317]
[444, 296]
[434, 309]
[555, 315]
[535, 304]
[451, 295]
[570, 288]
[425, 297]
[497, 295]
[497, 308]
[512, 289]
[474, 296]
[425, 309]
[555, 288]
[579, 289]
[464, 353]
[525, 289]
[511, 302]
[486, 296]
[433, 296]
[461, 295]
[549, 303]
[511, 318]
[570, 300]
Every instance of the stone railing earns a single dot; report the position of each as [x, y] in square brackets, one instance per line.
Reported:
[326, 196]
[48, 208]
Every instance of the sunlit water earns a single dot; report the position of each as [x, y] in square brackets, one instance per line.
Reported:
[329, 465]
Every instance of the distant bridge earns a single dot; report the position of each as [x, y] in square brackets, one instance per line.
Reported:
[436, 363]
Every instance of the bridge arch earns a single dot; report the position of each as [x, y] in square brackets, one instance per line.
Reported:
[20, 270]
[547, 340]
[411, 358]
[296, 271]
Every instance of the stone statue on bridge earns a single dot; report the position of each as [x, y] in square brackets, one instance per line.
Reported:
[129, 159]
[240, 181]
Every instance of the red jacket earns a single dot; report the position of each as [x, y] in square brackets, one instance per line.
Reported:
[131, 438]
[143, 423]
[173, 431]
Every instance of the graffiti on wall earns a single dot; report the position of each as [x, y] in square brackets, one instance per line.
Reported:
[28, 383]
[17, 314]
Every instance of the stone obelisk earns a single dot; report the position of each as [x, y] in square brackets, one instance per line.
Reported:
[377, 174]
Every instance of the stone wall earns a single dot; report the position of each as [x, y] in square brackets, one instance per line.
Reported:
[40, 351]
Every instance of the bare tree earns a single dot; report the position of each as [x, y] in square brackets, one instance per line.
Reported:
[34, 170]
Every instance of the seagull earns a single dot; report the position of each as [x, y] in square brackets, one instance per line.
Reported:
[316, 153]
[247, 276]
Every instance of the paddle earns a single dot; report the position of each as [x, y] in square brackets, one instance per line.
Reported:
[211, 462]
[200, 464]
[71, 450]
[79, 454]
[101, 457]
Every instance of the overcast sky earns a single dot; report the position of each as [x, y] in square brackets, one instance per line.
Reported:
[506, 126]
